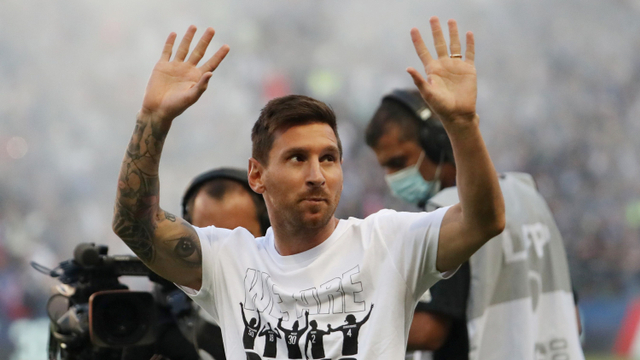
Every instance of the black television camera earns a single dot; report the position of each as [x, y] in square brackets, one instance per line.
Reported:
[95, 317]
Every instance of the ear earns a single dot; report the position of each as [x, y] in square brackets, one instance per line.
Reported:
[256, 173]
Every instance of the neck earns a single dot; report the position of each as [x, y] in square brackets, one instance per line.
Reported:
[290, 241]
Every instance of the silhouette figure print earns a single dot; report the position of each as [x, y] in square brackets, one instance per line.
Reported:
[250, 329]
[271, 341]
[292, 337]
[350, 333]
[315, 337]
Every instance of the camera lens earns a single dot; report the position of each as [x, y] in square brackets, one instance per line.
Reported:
[121, 318]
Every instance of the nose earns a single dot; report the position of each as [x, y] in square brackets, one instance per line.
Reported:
[315, 177]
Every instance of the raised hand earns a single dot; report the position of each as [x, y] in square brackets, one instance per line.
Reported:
[451, 85]
[177, 84]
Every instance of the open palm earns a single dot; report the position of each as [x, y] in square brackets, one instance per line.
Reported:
[175, 85]
[451, 85]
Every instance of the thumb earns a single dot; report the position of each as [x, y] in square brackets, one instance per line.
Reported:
[201, 86]
[204, 82]
[420, 82]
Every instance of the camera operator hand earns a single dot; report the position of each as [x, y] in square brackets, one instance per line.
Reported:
[167, 245]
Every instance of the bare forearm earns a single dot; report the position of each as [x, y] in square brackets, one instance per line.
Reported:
[137, 210]
[480, 196]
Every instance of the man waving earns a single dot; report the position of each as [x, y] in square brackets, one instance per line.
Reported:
[310, 262]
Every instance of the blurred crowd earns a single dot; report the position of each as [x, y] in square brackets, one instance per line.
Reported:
[559, 97]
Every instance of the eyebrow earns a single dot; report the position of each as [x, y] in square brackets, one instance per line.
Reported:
[301, 150]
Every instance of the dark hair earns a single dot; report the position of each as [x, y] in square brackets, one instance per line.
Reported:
[283, 113]
[217, 188]
[407, 110]
[392, 112]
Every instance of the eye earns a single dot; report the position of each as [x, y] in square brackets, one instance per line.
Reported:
[330, 158]
[395, 164]
[184, 248]
[297, 158]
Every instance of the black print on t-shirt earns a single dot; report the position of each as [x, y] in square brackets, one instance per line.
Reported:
[271, 341]
[252, 355]
[344, 293]
[350, 332]
[339, 295]
[250, 330]
[292, 337]
[315, 338]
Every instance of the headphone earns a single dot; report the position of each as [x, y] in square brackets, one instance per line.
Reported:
[432, 137]
[233, 174]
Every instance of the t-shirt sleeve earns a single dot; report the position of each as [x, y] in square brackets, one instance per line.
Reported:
[449, 297]
[412, 241]
[210, 241]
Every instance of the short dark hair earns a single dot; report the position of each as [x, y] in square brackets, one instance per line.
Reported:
[283, 113]
[392, 112]
[217, 188]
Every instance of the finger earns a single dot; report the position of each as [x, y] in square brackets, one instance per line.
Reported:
[168, 47]
[454, 38]
[183, 49]
[471, 48]
[421, 48]
[216, 59]
[199, 50]
[438, 38]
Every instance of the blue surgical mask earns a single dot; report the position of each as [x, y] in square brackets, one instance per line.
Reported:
[409, 185]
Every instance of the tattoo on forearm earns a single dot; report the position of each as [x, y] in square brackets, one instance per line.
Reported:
[138, 191]
[136, 234]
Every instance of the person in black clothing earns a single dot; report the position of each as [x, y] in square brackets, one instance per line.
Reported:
[250, 330]
[440, 321]
[271, 341]
[350, 333]
[292, 337]
[315, 337]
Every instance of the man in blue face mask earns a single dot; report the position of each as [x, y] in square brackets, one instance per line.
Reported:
[412, 146]
[490, 309]
[409, 184]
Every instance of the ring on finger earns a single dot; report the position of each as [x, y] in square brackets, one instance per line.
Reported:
[456, 56]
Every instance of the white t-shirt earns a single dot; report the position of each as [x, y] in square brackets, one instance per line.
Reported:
[360, 288]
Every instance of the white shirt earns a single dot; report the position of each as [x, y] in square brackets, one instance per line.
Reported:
[364, 281]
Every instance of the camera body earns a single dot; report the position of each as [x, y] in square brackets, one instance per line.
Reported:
[95, 317]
